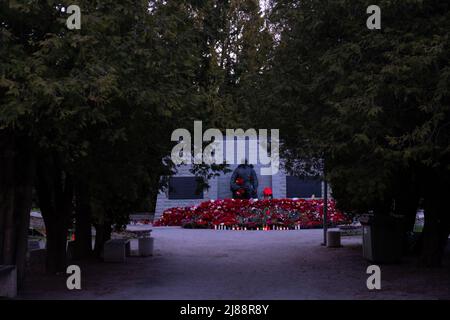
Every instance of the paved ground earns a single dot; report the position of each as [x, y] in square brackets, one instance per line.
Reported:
[208, 264]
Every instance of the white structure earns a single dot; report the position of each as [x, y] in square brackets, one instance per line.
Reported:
[183, 188]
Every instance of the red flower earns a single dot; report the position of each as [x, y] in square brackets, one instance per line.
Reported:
[267, 191]
[252, 213]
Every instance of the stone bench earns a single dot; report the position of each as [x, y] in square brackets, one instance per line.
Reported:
[116, 250]
[145, 246]
[350, 229]
[334, 239]
[145, 241]
[8, 281]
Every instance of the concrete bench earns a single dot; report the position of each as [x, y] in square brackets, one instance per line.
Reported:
[334, 239]
[8, 281]
[145, 246]
[116, 250]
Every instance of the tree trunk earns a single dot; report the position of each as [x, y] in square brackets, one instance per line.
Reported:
[103, 234]
[437, 224]
[83, 232]
[55, 193]
[406, 205]
[7, 230]
[16, 187]
[434, 241]
[56, 245]
[24, 181]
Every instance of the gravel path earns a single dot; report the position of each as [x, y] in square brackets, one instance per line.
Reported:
[208, 264]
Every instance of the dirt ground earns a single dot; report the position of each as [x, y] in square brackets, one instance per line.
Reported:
[209, 264]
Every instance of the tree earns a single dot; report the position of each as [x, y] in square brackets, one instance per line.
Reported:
[374, 104]
[86, 115]
[96, 108]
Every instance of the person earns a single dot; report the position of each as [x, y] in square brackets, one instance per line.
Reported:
[244, 182]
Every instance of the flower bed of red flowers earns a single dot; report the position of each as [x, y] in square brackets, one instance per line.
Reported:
[253, 214]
